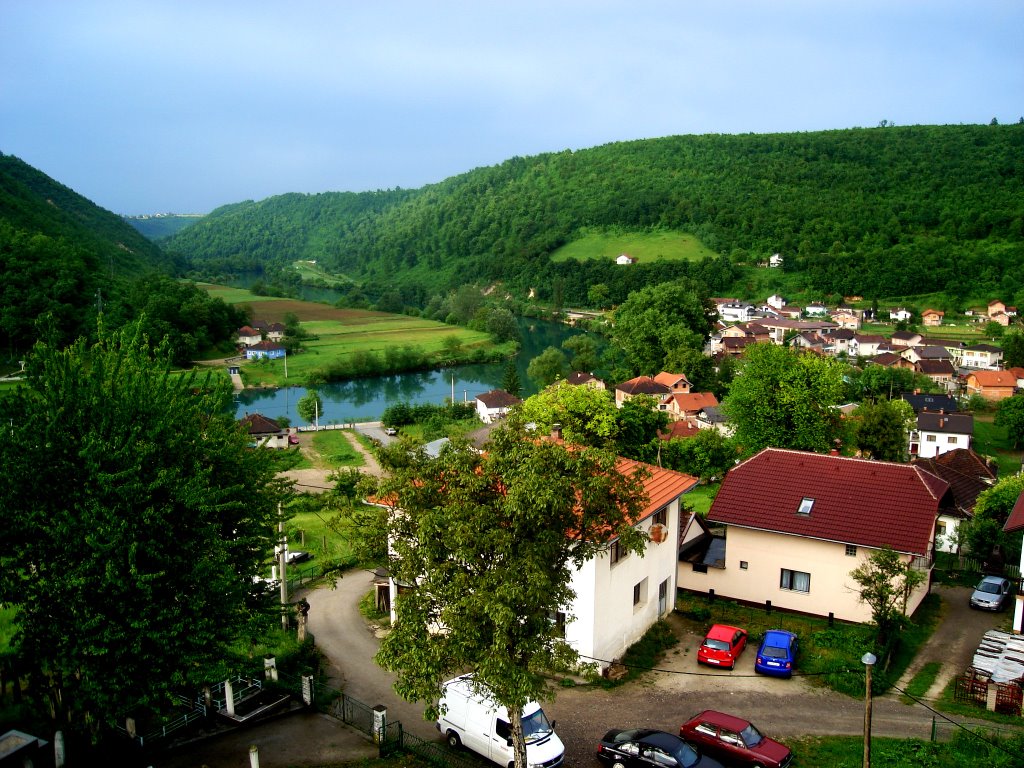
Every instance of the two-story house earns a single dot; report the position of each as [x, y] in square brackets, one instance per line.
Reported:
[932, 317]
[982, 356]
[939, 432]
[796, 524]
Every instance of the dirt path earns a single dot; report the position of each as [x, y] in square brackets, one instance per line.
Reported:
[315, 480]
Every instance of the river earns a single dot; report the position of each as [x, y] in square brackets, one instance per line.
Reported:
[366, 399]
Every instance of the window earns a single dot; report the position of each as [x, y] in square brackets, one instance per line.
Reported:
[502, 729]
[930, 438]
[796, 581]
[951, 439]
[851, 550]
[617, 551]
[743, 565]
[661, 517]
[940, 528]
[700, 567]
[640, 592]
[805, 506]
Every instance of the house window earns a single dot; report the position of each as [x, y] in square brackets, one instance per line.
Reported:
[795, 581]
[951, 439]
[743, 565]
[700, 567]
[851, 550]
[940, 528]
[640, 592]
[661, 516]
[930, 438]
[617, 551]
[805, 506]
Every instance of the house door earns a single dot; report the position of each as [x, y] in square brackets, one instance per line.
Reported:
[663, 597]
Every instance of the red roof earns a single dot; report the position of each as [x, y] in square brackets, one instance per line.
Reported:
[643, 385]
[693, 401]
[853, 501]
[661, 486]
[1015, 522]
[498, 398]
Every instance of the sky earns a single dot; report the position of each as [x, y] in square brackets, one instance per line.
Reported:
[146, 106]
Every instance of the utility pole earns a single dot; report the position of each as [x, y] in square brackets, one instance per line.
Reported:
[283, 550]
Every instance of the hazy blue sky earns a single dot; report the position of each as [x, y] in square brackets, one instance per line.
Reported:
[146, 106]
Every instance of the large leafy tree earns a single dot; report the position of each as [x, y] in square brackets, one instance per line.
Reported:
[547, 367]
[880, 430]
[785, 399]
[490, 542]
[587, 416]
[1013, 349]
[1010, 414]
[656, 322]
[985, 528]
[135, 520]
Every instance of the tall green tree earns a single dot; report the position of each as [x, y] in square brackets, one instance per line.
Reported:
[1010, 414]
[510, 379]
[584, 350]
[640, 421]
[135, 520]
[547, 367]
[587, 416]
[880, 430]
[1013, 349]
[655, 322]
[490, 542]
[985, 528]
[785, 399]
[310, 406]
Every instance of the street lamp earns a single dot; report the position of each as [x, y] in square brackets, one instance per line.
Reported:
[868, 660]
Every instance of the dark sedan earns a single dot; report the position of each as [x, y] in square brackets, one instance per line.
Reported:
[644, 747]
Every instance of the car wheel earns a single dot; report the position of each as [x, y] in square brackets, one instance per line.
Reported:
[453, 740]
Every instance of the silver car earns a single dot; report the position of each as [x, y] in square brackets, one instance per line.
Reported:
[990, 594]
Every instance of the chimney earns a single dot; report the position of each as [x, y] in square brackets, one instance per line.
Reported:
[834, 452]
[941, 421]
[556, 431]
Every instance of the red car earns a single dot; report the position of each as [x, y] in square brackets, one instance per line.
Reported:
[734, 741]
[722, 646]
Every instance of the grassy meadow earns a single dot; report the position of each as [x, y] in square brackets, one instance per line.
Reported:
[343, 338]
[644, 246]
[311, 273]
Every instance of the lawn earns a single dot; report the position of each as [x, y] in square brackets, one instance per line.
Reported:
[990, 440]
[310, 272]
[700, 498]
[334, 450]
[644, 246]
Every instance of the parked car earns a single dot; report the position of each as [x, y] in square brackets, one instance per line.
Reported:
[991, 593]
[645, 747]
[777, 654]
[734, 741]
[390, 431]
[293, 439]
[722, 646]
[294, 556]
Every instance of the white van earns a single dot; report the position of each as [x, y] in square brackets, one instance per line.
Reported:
[476, 721]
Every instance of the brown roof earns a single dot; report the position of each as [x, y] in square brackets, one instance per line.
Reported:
[248, 330]
[868, 503]
[994, 378]
[258, 424]
[694, 401]
[671, 379]
[498, 398]
[643, 385]
[935, 367]
[966, 472]
[678, 429]
[579, 377]
[887, 359]
[1015, 522]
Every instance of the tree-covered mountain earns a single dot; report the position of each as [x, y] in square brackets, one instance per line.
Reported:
[161, 225]
[63, 259]
[883, 211]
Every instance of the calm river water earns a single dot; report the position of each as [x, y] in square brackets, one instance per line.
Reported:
[366, 399]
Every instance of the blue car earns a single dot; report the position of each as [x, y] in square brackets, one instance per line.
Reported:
[777, 654]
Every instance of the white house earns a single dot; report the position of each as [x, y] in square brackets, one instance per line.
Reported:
[264, 432]
[247, 336]
[619, 595]
[815, 308]
[776, 261]
[1015, 523]
[983, 356]
[775, 301]
[736, 312]
[494, 405]
[938, 433]
[624, 258]
[900, 315]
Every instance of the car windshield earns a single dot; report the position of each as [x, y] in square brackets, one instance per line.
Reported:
[989, 586]
[536, 726]
[751, 736]
[686, 755]
[772, 652]
[716, 645]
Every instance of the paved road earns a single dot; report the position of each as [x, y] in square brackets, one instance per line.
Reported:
[782, 708]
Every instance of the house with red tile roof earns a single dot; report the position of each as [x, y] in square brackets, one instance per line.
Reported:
[932, 317]
[676, 382]
[640, 385]
[247, 336]
[685, 406]
[796, 524]
[992, 385]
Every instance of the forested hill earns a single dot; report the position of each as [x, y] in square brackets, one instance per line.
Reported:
[32, 202]
[884, 211]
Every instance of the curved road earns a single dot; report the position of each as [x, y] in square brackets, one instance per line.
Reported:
[783, 708]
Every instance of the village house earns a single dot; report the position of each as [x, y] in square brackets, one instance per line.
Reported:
[846, 318]
[815, 309]
[982, 356]
[677, 383]
[868, 345]
[900, 315]
[932, 317]
[275, 332]
[795, 524]
[264, 349]
[941, 372]
[736, 312]
[247, 336]
[494, 405]
[686, 406]
[776, 261]
[583, 379]
[780, 328]
[625, 259]
[992, 385]
[640, 385]
[968, 474]
[619, 595]
[264, 432]
[938, 433]
[917, 354]
[775, 301]
[926, 401]
[905, 339]
[891, 360]
[1000, 313]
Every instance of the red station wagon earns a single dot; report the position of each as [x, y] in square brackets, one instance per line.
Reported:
[734, 741]
[722, 646]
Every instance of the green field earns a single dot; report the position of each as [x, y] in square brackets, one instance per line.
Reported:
[310, 272]
[990, 440]
[644, 246]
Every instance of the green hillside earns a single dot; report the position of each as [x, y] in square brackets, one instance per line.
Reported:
[873, 212]
[645, 247]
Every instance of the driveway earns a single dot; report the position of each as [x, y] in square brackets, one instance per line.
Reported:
[661, 699]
